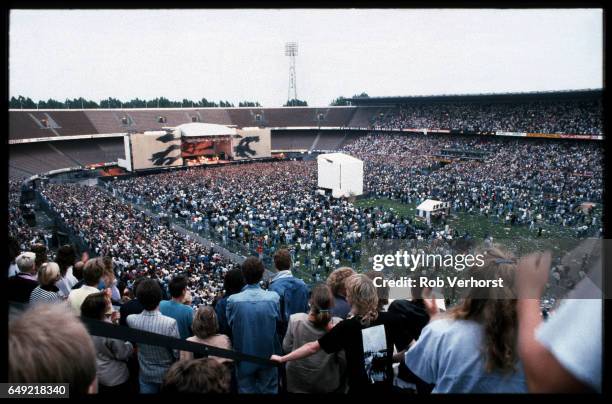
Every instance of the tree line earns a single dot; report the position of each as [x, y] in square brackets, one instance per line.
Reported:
[22, 102]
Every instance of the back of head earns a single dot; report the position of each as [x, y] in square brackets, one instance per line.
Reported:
[93, 271]
[252, 270]
[382, 291]
[48, 274]
[77, 270]
[48, 344]
[65, 257]
[95, 306]
[41, 253]
[177, 286]
[26, 262]
[282, 260]
[494, 308]
[205, 323]
[337, 280]
[321, 302]
[149, 294]
[361, 294]
[197, 376]
[13, 249]
[233, 282]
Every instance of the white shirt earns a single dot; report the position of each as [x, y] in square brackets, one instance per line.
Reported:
[573, 334]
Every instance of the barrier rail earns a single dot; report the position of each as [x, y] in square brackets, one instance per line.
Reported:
[108, 330]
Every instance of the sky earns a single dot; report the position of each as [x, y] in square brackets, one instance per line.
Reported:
[238, 55]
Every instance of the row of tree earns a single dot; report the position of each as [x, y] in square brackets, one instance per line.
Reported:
[341, 101]
[22, 102]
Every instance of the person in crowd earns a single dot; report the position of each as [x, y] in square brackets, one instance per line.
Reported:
[206, 331]
[472, 348]
[41, 254]
[368, 338]
[154, 360]
[564, 353]
[77, 272]
[65, 258]
[197, 376]
[293, 291]
[47, 291]
[109, 280]
[383, 291]
[254, 316]
[133, 306]
[111, 354]
[416, 316]
[321, 372]
[20, 286]
[175, 307]
[336, 282]
[233, 282]
[13, 253]
[48, 344]
[92, 273]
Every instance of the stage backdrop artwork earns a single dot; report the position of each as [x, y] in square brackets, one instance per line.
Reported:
[155, 149]
[251, 144]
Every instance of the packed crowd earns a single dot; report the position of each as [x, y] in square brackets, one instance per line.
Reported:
[518, 182]
[343, 335]
[269, 205]
[137, 243]
[564, 117]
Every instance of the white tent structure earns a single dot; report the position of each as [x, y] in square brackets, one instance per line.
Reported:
[340, 173]
[199, 129]
[430, 208]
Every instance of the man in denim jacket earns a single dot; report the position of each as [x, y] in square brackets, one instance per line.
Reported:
[254, 316]
[293, 291]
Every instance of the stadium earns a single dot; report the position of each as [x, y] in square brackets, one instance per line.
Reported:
[230, 249]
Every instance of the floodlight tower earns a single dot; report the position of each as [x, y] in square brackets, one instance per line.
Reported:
[291, 50]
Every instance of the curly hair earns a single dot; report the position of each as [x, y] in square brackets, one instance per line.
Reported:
[363, 297]
[336, 280]
[494, 309]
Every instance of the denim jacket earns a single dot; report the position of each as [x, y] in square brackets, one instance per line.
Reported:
[254, 315]
[293, 294]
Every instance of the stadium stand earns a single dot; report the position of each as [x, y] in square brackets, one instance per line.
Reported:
[23, 126]
[38, 158]
[293, 139]
[73, 123]
[106, 121]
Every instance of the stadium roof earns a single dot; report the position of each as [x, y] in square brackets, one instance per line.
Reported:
[198, 129]
[487, 97]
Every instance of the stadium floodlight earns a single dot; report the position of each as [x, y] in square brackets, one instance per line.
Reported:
[291, 50]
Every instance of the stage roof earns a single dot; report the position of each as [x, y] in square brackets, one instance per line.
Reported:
[198, 129]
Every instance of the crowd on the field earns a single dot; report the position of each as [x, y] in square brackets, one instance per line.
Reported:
[138, 244]
[532, 182]
[552, 117]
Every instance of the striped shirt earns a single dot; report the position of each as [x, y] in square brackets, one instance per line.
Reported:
[40, 295]
[154, 360]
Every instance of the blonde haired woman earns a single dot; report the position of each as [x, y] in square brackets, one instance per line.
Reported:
[367, 338]
[46, 291]
[473, 347]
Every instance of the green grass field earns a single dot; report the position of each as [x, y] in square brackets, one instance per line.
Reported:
[518, 239]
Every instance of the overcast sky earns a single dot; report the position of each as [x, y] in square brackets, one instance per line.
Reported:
[238, 55]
